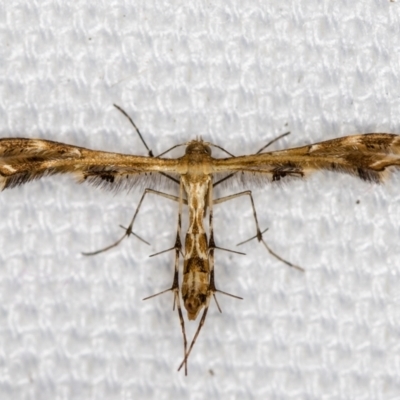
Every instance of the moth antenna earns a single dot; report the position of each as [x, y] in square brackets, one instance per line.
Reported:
[150, 152]
[171, 148]
[221, 148]
[273, 141]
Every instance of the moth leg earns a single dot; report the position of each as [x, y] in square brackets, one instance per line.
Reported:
[175, 290]
[128, 230]
[212, 247]
[175, 282]
[259, 233]
[201, 323]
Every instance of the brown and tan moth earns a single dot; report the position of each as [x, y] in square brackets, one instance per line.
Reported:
[367, 156]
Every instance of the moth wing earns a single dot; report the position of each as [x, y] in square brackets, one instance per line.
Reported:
[24, 160]
[366, 156]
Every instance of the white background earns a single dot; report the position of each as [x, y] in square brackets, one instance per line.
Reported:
[238, 74]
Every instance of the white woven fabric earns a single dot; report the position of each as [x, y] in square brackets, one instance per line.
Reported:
[238, 74]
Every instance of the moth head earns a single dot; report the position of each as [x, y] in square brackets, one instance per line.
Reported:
[198, 147]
